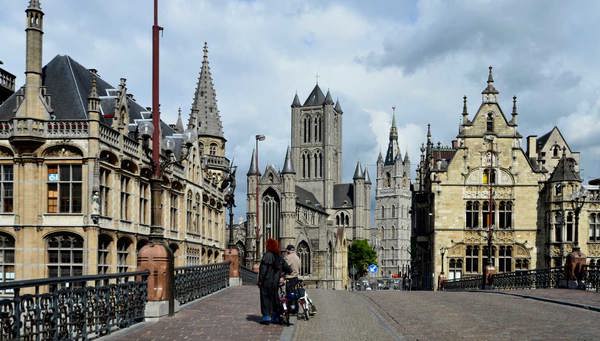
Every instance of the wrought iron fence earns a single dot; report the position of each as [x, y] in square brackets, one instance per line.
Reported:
[464, 283]
[248, 276]
[593, 278]
[71, 308]
[193, 282]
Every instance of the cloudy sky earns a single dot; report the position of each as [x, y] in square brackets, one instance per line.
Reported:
[421, 57]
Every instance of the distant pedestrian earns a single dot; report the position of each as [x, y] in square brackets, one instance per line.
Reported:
[272, 267]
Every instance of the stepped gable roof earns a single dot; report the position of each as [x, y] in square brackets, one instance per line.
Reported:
[316, 97]
[343, 195]
[307, 199]
[565, 171]
[69, 84]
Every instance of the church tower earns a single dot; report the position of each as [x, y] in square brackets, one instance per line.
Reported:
[392, 206]
[317, 144]
[205, 118]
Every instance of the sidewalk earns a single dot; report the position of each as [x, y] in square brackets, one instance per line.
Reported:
[576, 298]
[231, 314]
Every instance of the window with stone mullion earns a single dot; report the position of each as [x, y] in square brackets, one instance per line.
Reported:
[7, 260]
[104, 191]
[6, 188]
[472, 259]
[64, 188]
[594, 221]
[505, 259]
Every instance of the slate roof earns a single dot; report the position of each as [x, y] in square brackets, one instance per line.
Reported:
[307, 199]
[68, 83]
[316, 97]
[343, 195]
[565, 171]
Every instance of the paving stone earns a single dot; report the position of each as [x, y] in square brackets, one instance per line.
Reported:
[231, 314]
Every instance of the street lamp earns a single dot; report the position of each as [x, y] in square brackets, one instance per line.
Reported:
[489, 269]
[257, 227]
[577, 202]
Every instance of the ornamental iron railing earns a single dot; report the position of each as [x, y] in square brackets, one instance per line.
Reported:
[71, 308]
[248, 276]
[528, 279]
[196, 281]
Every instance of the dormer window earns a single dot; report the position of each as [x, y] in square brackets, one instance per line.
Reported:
[490, 122]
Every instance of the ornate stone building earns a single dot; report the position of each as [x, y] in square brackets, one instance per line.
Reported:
[486, 178]
[392, 208]
[75, 170]
[305, 204]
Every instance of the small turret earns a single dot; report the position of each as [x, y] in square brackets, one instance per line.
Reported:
[288, 166]
[490, 94]
[513, 120]
[465, 114]
[338, 107]
[328, 99]
[367, 177]
[93, 99]
[253, 170]
[179, 124]
[296, 102]
[358, 173]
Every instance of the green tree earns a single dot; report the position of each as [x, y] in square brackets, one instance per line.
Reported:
[360, 254]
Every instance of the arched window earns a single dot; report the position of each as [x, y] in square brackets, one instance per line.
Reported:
[306, 130]
[555, 150]
[347, 220]
[505, 214]
[388, 179]
[489, 176]
[123, 254]
[490, 122]
[304, 254]
[320, 168]
[594, 221]
[330, 255]
[393, 211]
[7, 259]
[197, 211]
[306, 164]
[212, 149]
[271, 213]
[188, 217]
[337, 220]
[317, 128]
[382, 212]
[317, 166]
[103, 253]
[65, 255]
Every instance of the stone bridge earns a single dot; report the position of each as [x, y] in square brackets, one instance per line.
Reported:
[233, 314]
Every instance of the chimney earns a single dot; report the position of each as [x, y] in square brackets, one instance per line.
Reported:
[531, 147]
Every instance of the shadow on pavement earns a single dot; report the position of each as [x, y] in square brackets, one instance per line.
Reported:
[253, 318]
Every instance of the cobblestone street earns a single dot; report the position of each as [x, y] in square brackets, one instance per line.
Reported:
[233, 314]
[446, 316]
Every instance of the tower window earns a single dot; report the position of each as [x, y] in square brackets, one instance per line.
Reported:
[490, 122]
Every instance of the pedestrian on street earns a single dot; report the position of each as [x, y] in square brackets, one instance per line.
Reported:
[293, 261]
[272, 268]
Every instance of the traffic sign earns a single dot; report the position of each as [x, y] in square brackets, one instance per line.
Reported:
[373, 268]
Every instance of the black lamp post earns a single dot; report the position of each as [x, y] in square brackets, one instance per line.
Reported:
[577, 202]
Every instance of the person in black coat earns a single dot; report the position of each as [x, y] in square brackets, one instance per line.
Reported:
[272, 267]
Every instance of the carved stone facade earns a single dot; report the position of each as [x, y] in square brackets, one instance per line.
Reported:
[75, 171]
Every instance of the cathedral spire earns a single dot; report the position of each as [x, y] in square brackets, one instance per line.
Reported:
[367, 177]
[288, 166]
[179, 124]
[393, 150]
[205, 102]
